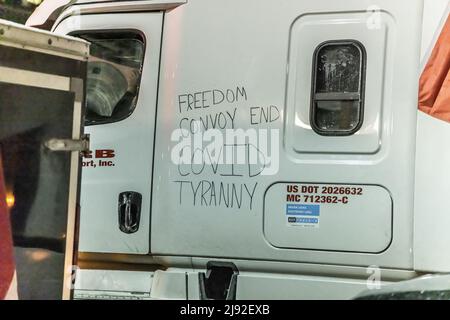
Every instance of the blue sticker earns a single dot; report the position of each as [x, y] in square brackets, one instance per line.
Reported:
[303, 210]
[304, 215]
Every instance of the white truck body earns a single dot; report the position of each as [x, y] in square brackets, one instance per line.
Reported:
[320, 210]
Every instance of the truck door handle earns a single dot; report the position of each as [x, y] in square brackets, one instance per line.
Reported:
[129, 211]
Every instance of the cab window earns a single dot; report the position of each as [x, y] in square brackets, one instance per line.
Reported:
[114, 75]
[337, 101]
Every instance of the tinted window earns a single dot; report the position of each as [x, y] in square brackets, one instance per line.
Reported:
[338, 85]
[114, 75]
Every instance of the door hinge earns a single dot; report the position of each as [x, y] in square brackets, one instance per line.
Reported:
[68, 145]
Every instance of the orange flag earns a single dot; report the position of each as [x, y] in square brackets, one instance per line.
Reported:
[434, 90]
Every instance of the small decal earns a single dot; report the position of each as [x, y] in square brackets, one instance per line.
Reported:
[303, 215]
[99, 158]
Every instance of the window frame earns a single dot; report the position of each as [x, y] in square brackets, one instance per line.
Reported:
[338, 96]
[138, 34]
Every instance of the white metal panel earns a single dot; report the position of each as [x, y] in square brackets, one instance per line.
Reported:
[105, 6]
[132, 142]
[435, 13]
[308, 32]
[361, 222]
[17, 35]
[113, 280]
[223, 50]
[112, 285]
[296, 268]
[169, 284]
[432, 184]
[290, 287]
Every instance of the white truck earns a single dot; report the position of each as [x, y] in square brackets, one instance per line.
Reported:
[258, 149]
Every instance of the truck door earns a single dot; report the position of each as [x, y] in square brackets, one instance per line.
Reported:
[120, 117]
[336, 85]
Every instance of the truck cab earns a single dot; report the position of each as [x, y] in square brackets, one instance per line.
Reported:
[258, 149]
